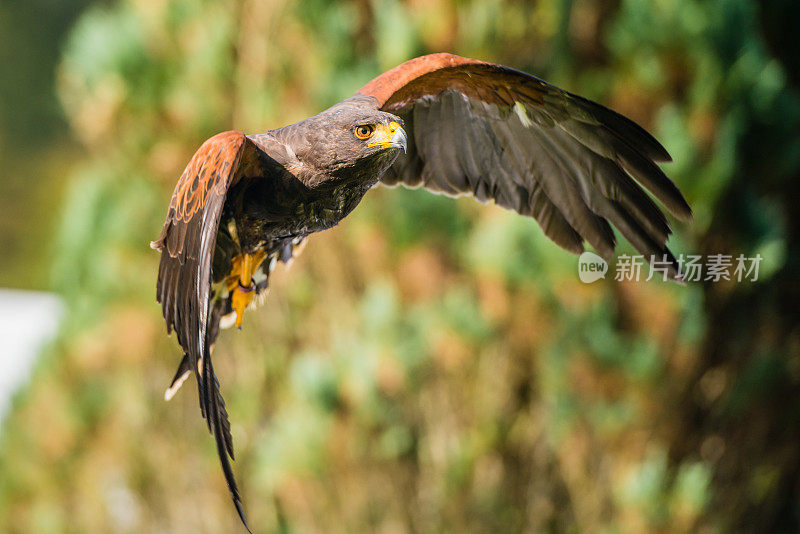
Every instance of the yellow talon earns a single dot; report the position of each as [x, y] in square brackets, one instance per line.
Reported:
[240, 282]
[241, 298]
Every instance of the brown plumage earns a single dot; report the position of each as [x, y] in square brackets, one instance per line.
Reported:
[245, 202]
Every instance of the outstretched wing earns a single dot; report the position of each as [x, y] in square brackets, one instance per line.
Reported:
[187, 244]
[500, 134]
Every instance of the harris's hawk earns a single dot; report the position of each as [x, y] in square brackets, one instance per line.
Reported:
[451, 124]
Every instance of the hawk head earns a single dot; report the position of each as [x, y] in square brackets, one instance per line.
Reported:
[351, 140]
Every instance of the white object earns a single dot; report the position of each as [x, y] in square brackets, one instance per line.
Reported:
[28, 320]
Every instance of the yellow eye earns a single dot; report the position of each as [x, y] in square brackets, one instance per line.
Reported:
[365, 131]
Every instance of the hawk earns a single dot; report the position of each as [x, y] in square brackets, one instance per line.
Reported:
[450, 124]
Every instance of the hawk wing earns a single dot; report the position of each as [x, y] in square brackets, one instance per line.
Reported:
[187, 244]
[500, 134]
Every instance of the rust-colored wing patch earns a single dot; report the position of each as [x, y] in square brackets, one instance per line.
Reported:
[391, 81]
[430, 75]
[206, 172]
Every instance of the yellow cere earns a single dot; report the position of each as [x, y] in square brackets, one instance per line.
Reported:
[383, 135]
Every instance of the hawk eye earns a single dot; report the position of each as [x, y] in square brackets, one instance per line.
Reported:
[364, 131]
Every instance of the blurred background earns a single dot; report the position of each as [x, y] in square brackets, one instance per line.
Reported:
[429, 365]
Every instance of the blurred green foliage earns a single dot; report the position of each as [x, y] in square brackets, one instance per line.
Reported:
[34, 143]
[430, 365]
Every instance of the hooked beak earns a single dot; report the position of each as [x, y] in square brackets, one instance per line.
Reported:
[400, 139]
[390, 135]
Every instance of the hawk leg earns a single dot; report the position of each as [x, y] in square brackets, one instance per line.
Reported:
[240, 282]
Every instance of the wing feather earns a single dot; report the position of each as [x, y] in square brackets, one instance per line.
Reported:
[504, 135]
[187, 244]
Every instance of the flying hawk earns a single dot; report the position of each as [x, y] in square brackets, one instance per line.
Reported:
[451, 124]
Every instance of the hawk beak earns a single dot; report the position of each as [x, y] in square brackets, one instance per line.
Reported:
[390, 135]
[399, 138]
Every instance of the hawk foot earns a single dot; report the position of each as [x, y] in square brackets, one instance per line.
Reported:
[240, 282]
